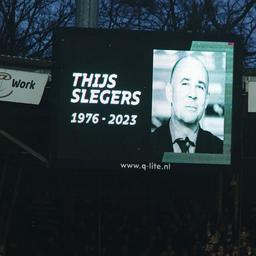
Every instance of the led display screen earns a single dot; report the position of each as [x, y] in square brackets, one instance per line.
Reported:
[130, 97]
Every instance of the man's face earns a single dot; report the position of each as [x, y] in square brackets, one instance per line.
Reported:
[189, 86]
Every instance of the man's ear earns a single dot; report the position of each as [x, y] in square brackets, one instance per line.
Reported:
[168, 92]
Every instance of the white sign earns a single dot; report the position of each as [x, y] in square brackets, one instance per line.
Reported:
[21, 86]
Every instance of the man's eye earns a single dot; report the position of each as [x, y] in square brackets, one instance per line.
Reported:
[184, 83]
[201, 87]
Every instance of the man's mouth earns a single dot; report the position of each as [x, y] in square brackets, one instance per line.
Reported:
[191, 108]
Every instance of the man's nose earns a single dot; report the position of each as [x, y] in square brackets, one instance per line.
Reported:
[192, 92]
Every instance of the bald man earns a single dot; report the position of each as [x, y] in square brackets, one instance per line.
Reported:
[188, 97]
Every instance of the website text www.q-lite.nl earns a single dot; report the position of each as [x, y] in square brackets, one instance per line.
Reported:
[147, 167]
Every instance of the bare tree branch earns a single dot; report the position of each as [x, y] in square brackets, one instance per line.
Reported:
[231, 16]
[26, 26]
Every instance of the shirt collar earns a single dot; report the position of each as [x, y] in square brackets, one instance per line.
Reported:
[177, 132]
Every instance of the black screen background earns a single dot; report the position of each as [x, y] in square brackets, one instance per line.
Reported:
[129, 54]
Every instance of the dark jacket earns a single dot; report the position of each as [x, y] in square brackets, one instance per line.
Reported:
[161, 141]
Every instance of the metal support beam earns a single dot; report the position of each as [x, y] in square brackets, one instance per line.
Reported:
[87, 13]
[23, 146]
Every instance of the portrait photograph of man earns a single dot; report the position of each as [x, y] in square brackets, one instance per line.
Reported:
[188, 101]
